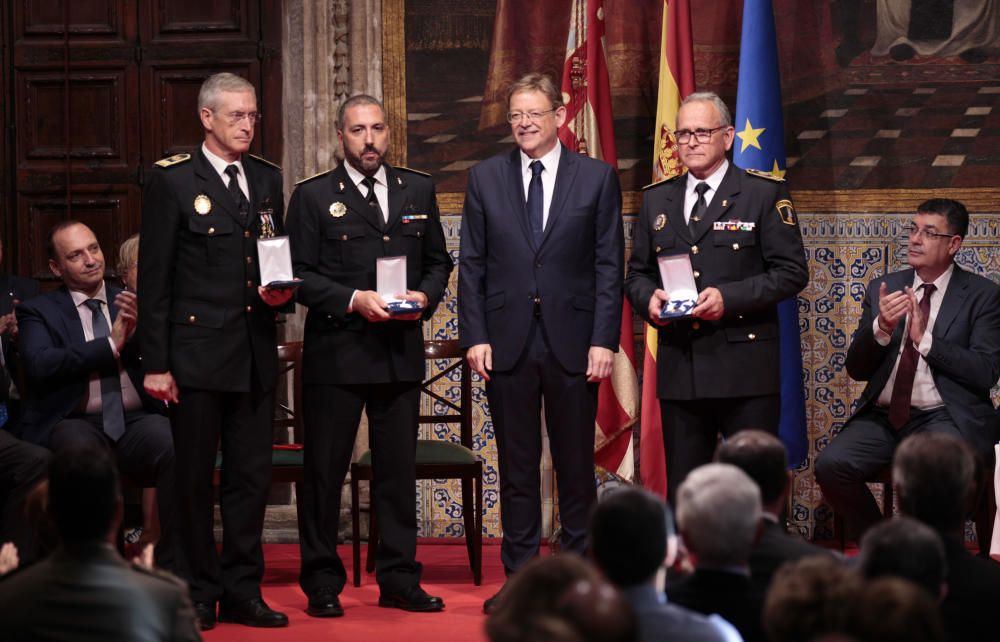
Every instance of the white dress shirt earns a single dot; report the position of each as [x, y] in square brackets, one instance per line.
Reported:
[91, 405]
[714, 180]
[925, 394]
[220, 165]
[550, 163]
[381, 187]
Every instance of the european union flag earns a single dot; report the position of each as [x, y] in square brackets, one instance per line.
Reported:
[760, 144]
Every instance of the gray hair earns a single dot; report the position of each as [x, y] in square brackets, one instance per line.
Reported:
[725, 118]
[354, 101]
[718, 512]
[128, 254]
[215, 84]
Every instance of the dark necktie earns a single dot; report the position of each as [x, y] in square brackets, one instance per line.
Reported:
[902, 388]
[369, 182]
[700, 206]
[536, 199]
[232, 171]
[112, 413]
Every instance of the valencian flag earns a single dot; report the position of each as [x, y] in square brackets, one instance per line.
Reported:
[760, 144]
[676, 81]
[589, 130]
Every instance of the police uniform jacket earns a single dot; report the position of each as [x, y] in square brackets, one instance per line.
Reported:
[200, 316]
[748, 245]
[336, 237]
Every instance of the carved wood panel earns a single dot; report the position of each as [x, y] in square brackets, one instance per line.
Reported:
[102, 89]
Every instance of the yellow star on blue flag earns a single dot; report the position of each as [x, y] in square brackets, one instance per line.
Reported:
[758, 101]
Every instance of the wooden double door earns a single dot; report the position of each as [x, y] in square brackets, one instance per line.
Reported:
[95, 91]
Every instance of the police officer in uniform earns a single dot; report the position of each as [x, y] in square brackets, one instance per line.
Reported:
[357, 356]
[717, 371]
[208, 340]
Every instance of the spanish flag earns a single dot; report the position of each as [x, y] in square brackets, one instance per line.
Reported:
[589, 129]
[676, 81]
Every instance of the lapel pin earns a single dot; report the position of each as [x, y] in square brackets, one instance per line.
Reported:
[202, 204]
[341, 186]
[337, 209]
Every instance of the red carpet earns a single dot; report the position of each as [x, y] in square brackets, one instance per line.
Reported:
[446, 573]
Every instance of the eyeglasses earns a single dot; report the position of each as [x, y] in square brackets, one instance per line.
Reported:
[235, 117]
[926, 232]
[701, 135]
[515, 117]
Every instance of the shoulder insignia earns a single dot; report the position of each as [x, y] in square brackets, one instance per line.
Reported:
[660, 182]
[170, 161]
[414, 171]
[306, 180]
[768, 175]
[265, 161]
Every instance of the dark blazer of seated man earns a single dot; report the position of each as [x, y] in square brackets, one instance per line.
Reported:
[85, 591]
[952, 345]
[83, 373]
[763, 458]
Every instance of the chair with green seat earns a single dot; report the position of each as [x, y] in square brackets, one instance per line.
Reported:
[286, 459]
[436, 459]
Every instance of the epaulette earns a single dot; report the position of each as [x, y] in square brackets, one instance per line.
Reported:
[409, 169]
[768, 175]
[305, 180]
[265, 161]
[660, 182]
[170, 161]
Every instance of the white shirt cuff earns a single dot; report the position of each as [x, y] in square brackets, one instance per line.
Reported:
[924, 347]
[350, 304]
[881, 337]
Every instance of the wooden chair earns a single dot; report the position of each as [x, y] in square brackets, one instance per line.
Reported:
[286, 459]
[436, 459]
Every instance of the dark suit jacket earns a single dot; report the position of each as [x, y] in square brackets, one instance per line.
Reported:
[58, 361]
[91, 593]
[201, 317]
[964, 357]
[969, 608]
[731, 595]
[775, 547]
[336, 238]
[754, 270]
[575, 272]
[13, 288]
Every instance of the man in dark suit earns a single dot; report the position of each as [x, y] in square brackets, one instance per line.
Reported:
[357, 355]
[928, 344]
[762, 457]
[718, 516]
[83, 372]
[22, 466]
[539, 309]
[631, 532]
[208, 337]
[85, 590]
[717, 370]
[934, 476]
[13, 290]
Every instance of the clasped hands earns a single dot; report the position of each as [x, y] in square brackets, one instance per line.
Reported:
[373, 307]
[893, 306]
[709, 305]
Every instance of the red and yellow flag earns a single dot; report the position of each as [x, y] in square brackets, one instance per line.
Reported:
[589, 129]
[676, 81]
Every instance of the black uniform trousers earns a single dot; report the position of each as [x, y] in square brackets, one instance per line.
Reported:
[22, 466]
[691, 429]
[240, 425]
[332, 414]
[515, 398]
[144, 456]
[864, 447]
